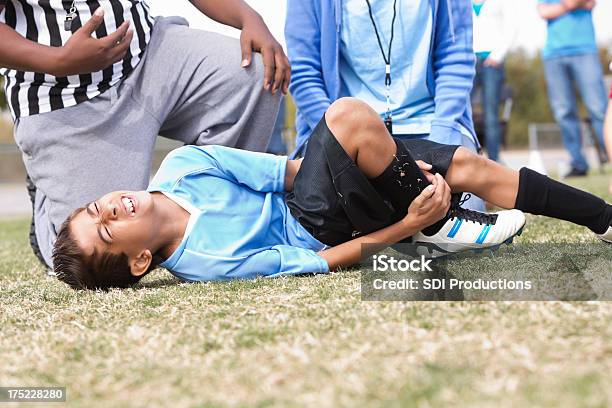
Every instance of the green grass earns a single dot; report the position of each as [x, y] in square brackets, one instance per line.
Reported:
[305, 341]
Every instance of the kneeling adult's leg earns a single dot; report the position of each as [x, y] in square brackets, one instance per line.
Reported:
[75, 155]
[32, 235]
[194, 84]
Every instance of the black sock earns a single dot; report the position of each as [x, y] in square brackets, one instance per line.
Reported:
[401, 182]
[541, 195]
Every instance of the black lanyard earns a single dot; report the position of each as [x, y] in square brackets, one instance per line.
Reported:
[387, 59]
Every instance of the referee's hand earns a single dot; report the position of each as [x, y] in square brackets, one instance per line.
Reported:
[255, 36]
[83, 54]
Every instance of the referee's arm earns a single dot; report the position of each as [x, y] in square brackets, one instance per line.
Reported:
[82, 54]
[23, 54]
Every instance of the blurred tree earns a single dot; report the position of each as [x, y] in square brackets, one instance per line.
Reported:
[525, 75]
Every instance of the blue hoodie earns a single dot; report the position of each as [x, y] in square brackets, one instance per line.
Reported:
[312, 32]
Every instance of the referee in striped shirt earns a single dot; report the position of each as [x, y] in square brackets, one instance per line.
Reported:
[90, 85]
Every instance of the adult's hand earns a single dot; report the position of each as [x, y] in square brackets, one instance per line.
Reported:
[589, 5]
[578, 4]
[551, 11]
[431, 205]
[83, 54]
[255, 36]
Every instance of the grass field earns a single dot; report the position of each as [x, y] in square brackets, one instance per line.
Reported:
[306, 341]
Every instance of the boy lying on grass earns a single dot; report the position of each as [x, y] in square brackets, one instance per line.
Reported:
[216, 213]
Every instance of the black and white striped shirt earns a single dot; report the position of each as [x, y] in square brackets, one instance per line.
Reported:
[42, 21]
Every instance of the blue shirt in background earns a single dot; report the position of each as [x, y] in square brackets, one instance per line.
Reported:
[362, 67]
[239, 225]
[571, 34]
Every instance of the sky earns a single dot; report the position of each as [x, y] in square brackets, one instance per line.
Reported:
[531, 35]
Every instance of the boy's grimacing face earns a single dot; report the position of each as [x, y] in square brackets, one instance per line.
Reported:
[119, 222]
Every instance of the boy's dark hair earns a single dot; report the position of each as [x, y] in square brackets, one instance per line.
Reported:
[100, 271]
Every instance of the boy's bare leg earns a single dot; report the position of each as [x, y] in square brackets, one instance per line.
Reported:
[528, 191]
[364, 137]
[362, 134]
[487, 179]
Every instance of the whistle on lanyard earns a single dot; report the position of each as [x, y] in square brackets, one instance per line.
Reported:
[388, 117]
[389, 123]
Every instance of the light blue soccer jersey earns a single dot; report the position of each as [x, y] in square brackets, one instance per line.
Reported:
[362, 67]
[239, 225]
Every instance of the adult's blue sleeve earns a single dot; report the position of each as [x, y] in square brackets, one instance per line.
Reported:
[453, 68]
[303, 37]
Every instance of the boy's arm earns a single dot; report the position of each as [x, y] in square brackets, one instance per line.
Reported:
[429, 207]
[293, 166]
[255, 36]
[82, 53]
[351, 252]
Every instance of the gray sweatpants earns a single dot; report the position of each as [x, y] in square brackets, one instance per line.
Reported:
[188, 87]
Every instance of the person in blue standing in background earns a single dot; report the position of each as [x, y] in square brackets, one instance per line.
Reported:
[412, 61]
[571, 57]
[494, 32]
